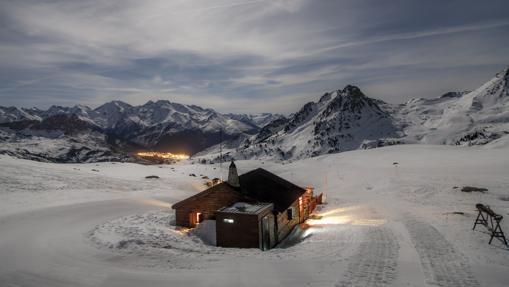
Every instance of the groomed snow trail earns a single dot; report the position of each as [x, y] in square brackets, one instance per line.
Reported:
[442, 264]
[375, 263]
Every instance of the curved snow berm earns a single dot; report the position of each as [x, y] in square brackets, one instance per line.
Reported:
[472, 118]
[340, 121]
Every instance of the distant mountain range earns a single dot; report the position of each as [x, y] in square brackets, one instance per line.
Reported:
[347, 119]
[340, 120]
[80, 133]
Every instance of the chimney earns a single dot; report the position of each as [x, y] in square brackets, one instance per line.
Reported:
[233, 176]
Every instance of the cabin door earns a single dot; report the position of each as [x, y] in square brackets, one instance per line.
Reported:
[195, 218]
[265, 233]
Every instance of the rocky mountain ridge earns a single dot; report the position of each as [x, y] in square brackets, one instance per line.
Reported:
[347, 119]
[340, 120]
[118, 126]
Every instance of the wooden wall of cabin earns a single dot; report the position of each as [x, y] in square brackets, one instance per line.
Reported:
[272, 228]
[284, 225]
[305, 208]
[206, 205]
[242, 233]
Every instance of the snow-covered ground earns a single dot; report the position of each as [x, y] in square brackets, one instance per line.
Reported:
[384, 224]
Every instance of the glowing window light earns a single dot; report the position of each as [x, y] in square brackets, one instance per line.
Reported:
[301, 206]
[228, 220]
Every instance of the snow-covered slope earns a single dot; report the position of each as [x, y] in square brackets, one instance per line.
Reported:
[473, 118]
[57, 138]
[105, 224]
[109, 114]
[255, 120]
[13, 114]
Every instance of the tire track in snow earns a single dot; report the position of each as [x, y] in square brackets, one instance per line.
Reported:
[375, 263]
[442, 264]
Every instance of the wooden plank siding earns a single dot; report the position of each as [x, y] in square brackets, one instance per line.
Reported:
[243, 233]
[307, 205]
[284, 226]
[215, 198]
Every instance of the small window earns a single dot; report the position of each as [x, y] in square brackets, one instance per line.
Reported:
[290, 213]
[228, 220]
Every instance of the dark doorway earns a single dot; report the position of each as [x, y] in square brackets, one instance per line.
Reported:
[265, 233]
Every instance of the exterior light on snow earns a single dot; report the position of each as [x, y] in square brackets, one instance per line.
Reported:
[228, 220]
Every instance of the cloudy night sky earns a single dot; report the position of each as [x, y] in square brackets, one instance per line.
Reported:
[245, 56]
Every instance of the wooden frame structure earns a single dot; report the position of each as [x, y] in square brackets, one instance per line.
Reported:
[491, 220]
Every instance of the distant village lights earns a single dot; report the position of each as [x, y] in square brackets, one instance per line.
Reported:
[164, 155]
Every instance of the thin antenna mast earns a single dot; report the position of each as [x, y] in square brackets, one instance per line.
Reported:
[221, 152]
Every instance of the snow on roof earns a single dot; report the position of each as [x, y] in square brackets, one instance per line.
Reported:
[247, 208]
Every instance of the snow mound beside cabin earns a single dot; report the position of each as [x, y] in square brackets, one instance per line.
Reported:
[154, 236]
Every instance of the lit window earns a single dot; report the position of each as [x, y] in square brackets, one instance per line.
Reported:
[228, 220]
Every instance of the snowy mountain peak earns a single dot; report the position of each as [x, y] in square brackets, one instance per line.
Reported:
[353, 91]
[341, 120]
[462, 118]
[350, 99]
[109, 114]
[450, 95]
[325, 98]
[506, 72]
[12, 114]
[493, 93]
[114, 104]
[505, 76]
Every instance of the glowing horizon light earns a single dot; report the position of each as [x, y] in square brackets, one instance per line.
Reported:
[164, 155]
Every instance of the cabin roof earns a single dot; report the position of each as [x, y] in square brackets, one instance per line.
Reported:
[265, 186]
[260, 185]
[247, 208]
[222, 185]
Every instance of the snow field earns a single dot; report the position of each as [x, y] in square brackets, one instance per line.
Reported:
[384, 224]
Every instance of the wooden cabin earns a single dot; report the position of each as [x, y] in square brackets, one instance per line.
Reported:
[257, 209]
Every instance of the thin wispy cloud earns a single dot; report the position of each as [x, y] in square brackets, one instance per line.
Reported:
[416, 35]
[244, 56]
